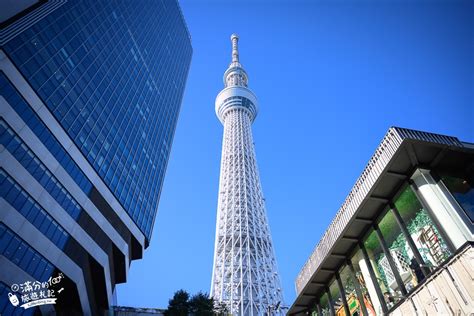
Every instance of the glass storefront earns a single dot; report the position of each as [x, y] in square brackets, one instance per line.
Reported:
[403, 257]
[408, 241]
[385, 276]
[336, 299]
[366, 285]
[422, 229]
[324, 303]
[463, 191]
[353, 302]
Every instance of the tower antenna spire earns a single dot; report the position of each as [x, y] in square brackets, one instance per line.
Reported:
[235, 74]
[235, 48]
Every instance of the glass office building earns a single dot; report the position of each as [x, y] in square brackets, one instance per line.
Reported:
[402, 242]
[90, 96]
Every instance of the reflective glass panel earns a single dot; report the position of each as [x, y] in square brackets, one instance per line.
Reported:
[402, 254]
[384, 274]
[422, 229]
[324, 302]
[463, 191]
[350, 291]
[336, 299]
[366, 284]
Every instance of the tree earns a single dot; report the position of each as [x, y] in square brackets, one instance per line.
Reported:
[179, 304]
[201, 305]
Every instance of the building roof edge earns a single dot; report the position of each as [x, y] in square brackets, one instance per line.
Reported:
[387, 148]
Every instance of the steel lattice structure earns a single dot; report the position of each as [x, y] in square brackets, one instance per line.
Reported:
[244, 275]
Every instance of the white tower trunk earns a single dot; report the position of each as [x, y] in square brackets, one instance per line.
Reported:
[245, 275]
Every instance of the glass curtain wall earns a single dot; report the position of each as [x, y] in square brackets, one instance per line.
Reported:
[336, 299]
[384, 274]
[424, 232]
[402, 255]
[352, 298]
[324, 303]
[463, 191]
[363, 278]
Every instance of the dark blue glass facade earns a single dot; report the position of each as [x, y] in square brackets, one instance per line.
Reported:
[38, 170]
[9, 309]
[32, 211]
[26, 113]
[20, 253]
[115, 88]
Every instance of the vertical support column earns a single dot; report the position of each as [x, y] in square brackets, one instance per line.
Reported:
[410, 241]
[360, 295]
[318, 307]
[342, 293]
[433, 216]
[332, 312]
[388, 255]
[434, 201]
[373, 277]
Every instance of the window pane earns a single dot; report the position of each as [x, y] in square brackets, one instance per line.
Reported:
[385, 275]
[422, 229]
[463, 192]
[324, 302]
[336, 299]
[402, 254]
[11, 248]
[366, 284]
[351, 295]
[26, 259]
[20, 252]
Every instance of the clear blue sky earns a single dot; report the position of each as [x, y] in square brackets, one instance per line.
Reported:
[331, 78]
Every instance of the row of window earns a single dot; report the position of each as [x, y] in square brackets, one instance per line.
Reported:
[58, 50]
[21, 254]
[46, 137]
[237, 101]
[42, 132]
[58, 23]
[38, 170]
[7, 308]
[398, 253]
[32, 211]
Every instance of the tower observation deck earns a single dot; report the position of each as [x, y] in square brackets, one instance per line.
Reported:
[245, 276]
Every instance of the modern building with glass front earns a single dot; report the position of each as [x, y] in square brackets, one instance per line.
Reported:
[402, 242]
[90, 97]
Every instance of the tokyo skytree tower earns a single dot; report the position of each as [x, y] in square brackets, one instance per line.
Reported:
[244, 275]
